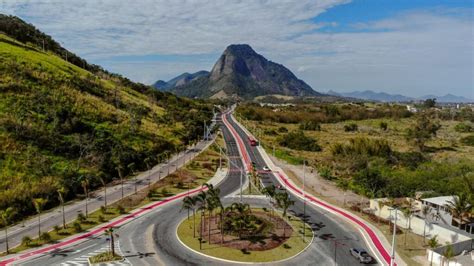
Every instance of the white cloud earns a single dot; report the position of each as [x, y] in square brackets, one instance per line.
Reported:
[416, 52]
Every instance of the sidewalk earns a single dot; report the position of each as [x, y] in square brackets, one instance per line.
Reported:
[53, 217]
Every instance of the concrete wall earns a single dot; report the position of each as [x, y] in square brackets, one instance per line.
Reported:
[418, 225]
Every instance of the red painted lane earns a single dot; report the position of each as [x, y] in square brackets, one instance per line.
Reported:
[99, 230]
[373, 237]
[243, 152]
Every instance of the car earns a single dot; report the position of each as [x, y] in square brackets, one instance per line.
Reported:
[266, 168]
[361, 255]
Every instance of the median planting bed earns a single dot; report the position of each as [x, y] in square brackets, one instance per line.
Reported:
[245, 235]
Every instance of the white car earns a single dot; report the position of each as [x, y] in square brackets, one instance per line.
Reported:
[361, 255]
[266, 168]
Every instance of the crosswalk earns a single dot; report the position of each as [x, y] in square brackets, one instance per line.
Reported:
[83, 260]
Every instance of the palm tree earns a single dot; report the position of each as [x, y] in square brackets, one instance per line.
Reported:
[433, 243]
[448, 253]
[103, 181]
[61, 192]
[425, 210]
[119, 170]
[284, 202]
[188, 204]
[85, 187]
[110, 232]
[459, 207]
[201, 199]
[242, 210]
[407, 213]
[39, 204]
[131, 166]
[270, 191]
[7, 216]
[210, 206]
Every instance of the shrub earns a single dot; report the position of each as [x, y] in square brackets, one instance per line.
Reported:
[362, 146]
[120, 209]
[297, 140]
[103, 209]
[282, 129]
[81, 218]
[77, 227]
[310, 125]
[26, 241]
[468, 140]
[383, 125]
[180, 185]
[56, 229]
[464, 128]
[45, 237]
[164, 192]
[101, 219]
[270, 132]
[325, 173]
[208, 166]
[351, 127]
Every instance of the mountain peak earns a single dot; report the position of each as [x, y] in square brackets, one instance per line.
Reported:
[242, 50]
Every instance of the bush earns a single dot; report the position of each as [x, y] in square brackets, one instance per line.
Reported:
[56, 229]
[468, 140]
[310, 125]
[362, 146]
[351, 127]
[270, 132]
[26, 241]
[81, 218]
[208, 166]
[464, 128]
[120, 209]
[383, 125]
[164, 192]
[103, 209]
[282, 129]
[325, 173]
[101, 219]
[77, 227]
[297, 140]
[45, 237]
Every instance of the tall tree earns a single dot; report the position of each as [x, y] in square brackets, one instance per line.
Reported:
[7, 217]
[460, 207]
[422, 131]
[110, 232]
[61, 193]
[39, 205]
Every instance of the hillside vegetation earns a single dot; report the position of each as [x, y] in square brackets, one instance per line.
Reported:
[61, 124]
[377, 150]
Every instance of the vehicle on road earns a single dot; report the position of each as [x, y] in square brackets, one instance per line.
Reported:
[266, 168]
[252, 141]
[361, 255]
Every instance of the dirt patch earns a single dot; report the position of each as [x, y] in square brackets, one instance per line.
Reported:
[278, 232]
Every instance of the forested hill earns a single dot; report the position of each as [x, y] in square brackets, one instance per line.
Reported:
[61, 124]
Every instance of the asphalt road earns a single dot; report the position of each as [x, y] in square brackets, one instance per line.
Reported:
[151, 239]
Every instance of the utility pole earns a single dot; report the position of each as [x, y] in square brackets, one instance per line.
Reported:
[392, 258]
[241, 177]
[304, 200]
[43, 45]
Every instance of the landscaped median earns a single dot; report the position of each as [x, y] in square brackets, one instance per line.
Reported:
[268, 237]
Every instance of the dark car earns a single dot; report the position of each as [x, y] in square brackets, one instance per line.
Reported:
[361, 255]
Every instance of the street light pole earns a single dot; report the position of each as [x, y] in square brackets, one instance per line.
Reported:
[304, 200]
[392, 258]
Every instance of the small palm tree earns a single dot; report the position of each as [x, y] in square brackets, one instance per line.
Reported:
[61, 192]
[85, 186]
[459, 207]
[39, 205]
[433, 243]
[110, 232]
[448, 253]
[425, 210]
[7, 216]
[103, 181]
[407, 214]
[188, 204]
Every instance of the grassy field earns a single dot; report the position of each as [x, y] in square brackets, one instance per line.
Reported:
[192, 175]
[293, 246]
[105, 257]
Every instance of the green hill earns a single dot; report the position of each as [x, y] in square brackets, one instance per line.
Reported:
[60, 122]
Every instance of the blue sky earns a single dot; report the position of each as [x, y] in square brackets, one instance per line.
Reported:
[411, 47]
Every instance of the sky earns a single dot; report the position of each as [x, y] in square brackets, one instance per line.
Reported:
[410, 47]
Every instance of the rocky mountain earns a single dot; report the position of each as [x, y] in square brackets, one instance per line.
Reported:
[386, 97]
[180, 80]
[240, 72]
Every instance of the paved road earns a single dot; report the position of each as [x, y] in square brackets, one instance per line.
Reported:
[114, 193]
[151, 239]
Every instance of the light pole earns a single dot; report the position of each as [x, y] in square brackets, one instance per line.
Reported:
[304, 201]
[392, 258]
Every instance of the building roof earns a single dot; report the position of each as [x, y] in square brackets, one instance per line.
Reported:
[440, 201]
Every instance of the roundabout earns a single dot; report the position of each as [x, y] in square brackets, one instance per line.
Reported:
[241, 234]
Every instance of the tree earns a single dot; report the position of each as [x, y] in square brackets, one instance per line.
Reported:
[284, 202]
[7, 216]
[61, 193]
[85, 186]
[429, 103]
[270, 191]
[460, 207]
[103, 181]
[407, 213]
[39, 205]
[433, 243]
[448, 253]
[425, 210]
[383, 125]
[422, 131]
[110, 232]
[188, 204]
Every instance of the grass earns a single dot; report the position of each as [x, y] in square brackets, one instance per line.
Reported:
[169, 185]
[293, 246]
[105, 257]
